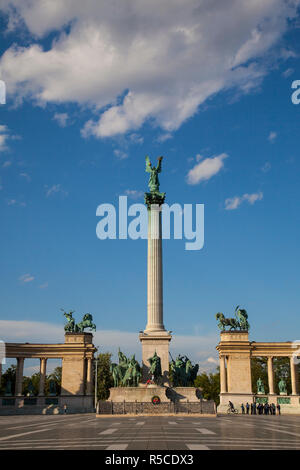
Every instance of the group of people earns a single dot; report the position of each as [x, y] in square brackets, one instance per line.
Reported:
[260, 409]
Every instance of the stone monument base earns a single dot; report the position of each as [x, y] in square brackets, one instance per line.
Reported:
[289, 404]
[145, 393]
[156, 342]
[236, 398]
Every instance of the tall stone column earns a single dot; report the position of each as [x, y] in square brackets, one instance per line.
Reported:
[89, 377]
[294, 376]
[43, 363]
[154, 272]
[19, 376]
[155, 338]
[271, 376]
[223, 375]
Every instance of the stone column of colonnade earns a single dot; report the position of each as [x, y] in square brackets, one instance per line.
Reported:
[89, 377]
[43, 363]
[19, 376]
[223, 375]
[271, 376]
[154, 272]
[294, 376]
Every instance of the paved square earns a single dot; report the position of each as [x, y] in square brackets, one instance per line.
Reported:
[149, 432]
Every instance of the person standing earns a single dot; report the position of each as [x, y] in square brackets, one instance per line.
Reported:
[247, 408]
[278, 409]
[254, 408]
[243, 408]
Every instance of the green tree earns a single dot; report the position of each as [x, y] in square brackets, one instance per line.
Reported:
[35, 380]
[104, 376]
[209, 385]
[56, 377]
[8, 375]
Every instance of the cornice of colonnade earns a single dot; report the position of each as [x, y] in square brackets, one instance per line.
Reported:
[77, 345]
[256, 349]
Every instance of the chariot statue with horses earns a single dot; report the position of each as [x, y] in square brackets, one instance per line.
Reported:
[72, 327]
[239, 322]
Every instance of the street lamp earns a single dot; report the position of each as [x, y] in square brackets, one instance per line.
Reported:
[96, 380]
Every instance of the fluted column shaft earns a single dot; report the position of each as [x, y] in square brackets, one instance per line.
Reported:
[43, 363]
[89, 378]
[270, 376]
[223, 375]
[154, 272]
[294, 376]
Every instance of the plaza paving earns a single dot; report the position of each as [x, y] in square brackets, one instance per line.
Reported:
[147, 432]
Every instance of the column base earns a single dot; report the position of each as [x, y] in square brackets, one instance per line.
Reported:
[159, 342]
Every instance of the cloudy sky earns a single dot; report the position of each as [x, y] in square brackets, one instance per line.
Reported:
[92, 87]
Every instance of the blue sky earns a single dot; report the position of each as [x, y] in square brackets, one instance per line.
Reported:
[89, 94]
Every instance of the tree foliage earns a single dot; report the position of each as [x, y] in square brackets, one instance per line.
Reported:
[209, 385]
[104, 376]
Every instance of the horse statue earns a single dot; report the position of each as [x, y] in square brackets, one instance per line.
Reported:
[70, 326]
[155, 367]
[223, 322]
[86, 322]
[242, 317]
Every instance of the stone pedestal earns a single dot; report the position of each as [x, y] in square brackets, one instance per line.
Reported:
[160, 344]
[144, 394]
[236, 378]
[74, 366]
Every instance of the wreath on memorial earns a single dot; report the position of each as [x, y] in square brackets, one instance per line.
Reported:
[155, 400]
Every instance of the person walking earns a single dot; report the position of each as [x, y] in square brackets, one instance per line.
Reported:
[247, 408]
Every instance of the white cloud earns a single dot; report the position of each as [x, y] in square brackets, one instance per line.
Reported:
[197, 348]
[120, 154]
[272, 136]
[142, 60]
[163, 137]
[133, 193]
[54, 189]
[288, 72]
[26, 176]
[6, 164]
[266, 167]
[233, 203]
[206, 168]
[136, 138]
[26, 278]
[61, 118]
[212, 360]
[14, 202]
